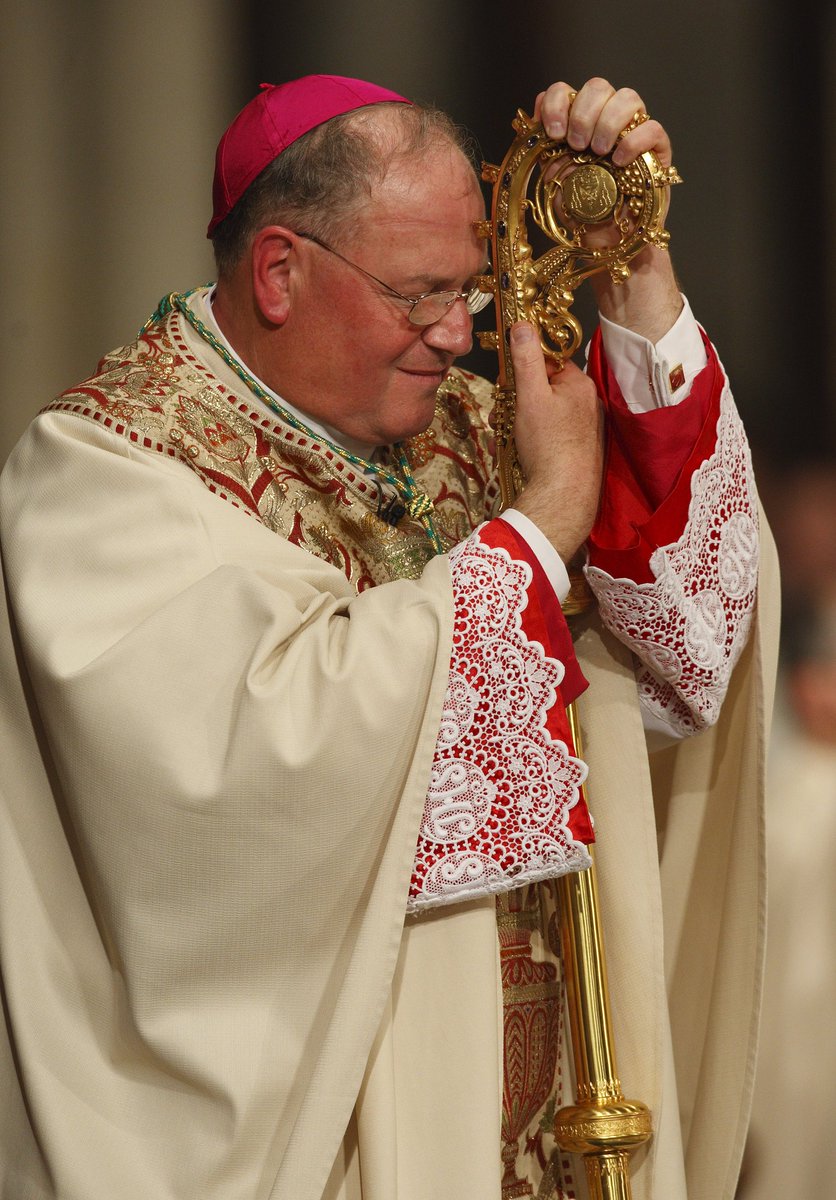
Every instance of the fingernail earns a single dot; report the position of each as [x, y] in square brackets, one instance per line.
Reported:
[555, 129]
[522, 332]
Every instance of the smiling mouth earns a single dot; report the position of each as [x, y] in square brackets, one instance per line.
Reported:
[428, 373]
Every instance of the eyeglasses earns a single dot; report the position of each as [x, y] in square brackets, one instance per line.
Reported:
[425, 309]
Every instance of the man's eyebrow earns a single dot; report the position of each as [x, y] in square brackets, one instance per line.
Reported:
[432, 283]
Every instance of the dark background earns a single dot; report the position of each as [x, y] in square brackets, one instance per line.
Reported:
[109, 116]
[741, 90]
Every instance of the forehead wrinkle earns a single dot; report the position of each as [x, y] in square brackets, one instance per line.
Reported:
[427, 208]
[403, 235]
[404, 210]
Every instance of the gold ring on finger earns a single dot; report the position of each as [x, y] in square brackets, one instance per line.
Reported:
[635, 121]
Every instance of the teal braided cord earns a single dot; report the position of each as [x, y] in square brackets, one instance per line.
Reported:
[166, 305]
[419, 506]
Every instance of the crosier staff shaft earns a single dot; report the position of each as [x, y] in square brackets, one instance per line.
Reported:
[602, 1126]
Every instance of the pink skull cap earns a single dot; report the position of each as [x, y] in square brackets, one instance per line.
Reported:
[272, 121]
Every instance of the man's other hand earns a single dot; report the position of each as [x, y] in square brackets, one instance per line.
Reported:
[560, 443]
[595, 117]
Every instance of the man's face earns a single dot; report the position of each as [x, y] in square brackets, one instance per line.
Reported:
[370, 373]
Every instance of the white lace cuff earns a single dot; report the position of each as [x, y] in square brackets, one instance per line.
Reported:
[504, 804]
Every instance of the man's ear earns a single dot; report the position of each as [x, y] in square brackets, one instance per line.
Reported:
[271, 255]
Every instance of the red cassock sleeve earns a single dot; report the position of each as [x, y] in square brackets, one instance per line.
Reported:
[673, 555]
[651, 458]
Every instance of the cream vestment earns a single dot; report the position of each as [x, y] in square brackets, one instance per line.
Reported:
[215, 752]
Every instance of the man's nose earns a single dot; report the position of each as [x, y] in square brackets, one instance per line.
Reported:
[454, 332]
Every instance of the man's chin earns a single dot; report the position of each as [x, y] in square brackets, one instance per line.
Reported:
[423, 419]
[415, 413]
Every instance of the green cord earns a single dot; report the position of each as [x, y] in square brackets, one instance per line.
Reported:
[418, 504]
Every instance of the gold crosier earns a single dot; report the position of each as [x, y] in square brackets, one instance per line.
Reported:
[574, 193]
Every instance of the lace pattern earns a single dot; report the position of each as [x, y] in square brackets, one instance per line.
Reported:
[498, 810]
[690, 625]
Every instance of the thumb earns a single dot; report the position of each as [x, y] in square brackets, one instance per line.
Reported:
[528, 359]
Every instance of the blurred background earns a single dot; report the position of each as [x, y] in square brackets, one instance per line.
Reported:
[109, 116]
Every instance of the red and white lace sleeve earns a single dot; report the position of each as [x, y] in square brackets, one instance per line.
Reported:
[504, 805]
[674, 554]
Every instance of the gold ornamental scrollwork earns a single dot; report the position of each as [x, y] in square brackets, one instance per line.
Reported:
[594, 215]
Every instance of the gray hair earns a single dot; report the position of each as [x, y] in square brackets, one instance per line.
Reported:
[321, 181]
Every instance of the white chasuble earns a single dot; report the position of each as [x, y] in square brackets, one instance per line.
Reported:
[219, 753]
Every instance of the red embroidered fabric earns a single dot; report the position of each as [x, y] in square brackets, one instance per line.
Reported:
[505, 805]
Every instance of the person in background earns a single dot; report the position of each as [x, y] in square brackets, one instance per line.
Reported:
[789, 1149]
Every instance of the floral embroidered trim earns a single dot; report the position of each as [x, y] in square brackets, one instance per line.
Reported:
[498, 812]
[689, 626]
